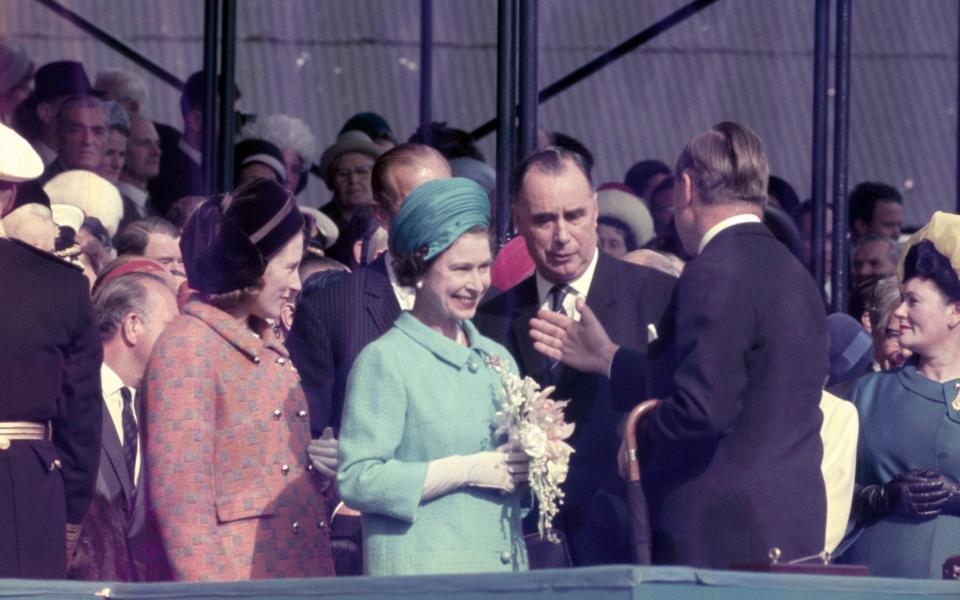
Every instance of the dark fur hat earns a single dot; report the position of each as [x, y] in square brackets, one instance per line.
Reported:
[229, 240]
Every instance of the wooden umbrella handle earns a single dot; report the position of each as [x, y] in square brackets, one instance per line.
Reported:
[630, 435]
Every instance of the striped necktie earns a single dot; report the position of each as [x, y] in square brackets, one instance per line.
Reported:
[129, 434]
[557, 295]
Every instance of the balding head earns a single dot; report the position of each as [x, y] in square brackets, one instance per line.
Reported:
[143, 153]
[401, 169]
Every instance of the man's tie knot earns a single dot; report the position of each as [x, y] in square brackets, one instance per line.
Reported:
[558, 294]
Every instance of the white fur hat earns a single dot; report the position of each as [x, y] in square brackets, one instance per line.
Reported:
[89, 192]
[18, 160]
[628, 209]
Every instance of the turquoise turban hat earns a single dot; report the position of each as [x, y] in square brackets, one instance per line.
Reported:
[436, 213]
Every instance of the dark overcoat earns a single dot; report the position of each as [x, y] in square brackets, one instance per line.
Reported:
[732, 467]
[50, 355]
[626, 299]
[332, 326]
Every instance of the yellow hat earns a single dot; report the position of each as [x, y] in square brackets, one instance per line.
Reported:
[18, 160]
[944, 231]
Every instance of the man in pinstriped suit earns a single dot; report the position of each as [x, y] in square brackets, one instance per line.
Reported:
[336, 322]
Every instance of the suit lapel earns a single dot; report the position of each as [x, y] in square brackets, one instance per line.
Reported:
[114, 451]
[379, 300]
[532, 363]
[603, 294]
[602, 299]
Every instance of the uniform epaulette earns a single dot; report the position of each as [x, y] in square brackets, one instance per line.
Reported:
[47, 255]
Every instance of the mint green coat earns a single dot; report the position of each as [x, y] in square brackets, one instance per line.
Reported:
[414, 396]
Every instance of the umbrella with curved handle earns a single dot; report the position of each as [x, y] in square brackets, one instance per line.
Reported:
[639, 519]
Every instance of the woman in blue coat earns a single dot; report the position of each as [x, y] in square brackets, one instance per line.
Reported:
[908, 458]
[419, 454]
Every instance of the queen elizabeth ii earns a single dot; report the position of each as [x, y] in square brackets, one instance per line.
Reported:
[419, 452]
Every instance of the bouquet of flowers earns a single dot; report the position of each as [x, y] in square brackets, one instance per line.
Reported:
[534, 421]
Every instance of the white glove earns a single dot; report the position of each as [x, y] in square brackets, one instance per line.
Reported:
[518, 464]
[323, 454]
[503, 469]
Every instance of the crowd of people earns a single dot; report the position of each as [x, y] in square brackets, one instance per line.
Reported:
[257, 385]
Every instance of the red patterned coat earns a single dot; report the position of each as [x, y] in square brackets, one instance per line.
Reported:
[230, 483]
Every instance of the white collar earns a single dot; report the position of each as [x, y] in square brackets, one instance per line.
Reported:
[109, 380]
[190, 151]
[581, 284]
[405, 294]
[136, 195]
[724, 224]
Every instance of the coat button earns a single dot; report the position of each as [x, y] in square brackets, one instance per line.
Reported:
[281, 361]
[285, 469]
[256, 359]
[296, 526]
[302, 414]
[473, 366]
[323, 525]
[56, 464]
[506, 557]
[277, 413]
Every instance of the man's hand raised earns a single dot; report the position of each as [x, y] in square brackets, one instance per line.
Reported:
[583, 345]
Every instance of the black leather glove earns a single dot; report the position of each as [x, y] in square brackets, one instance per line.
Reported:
[919, 494]
[952, 506]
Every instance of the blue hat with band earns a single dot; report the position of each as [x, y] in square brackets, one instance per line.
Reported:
[436, 213]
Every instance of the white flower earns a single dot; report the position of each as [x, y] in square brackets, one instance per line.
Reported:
[557, 471]
[527, 415]
[534, 440]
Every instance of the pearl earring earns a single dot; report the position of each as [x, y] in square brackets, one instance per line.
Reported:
[419, 285]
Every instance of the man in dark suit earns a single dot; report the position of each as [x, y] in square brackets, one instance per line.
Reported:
[141, 166]
[131, 311]
[555, 210]
[332, 326]
[731, 459]
[50, 409]
[180, 172]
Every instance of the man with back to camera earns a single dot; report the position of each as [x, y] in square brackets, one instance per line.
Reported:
[50, 358]
[731, 458]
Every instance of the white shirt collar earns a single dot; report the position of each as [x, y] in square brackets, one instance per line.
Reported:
[109, 380]
[725, 224]
[405, 295]
[137, 196]
[111, 384]
[581, 285]
[193, 153]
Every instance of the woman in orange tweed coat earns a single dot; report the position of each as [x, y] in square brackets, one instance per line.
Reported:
[233, 491]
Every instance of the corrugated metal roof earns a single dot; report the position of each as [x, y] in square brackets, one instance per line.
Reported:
[745, 60]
